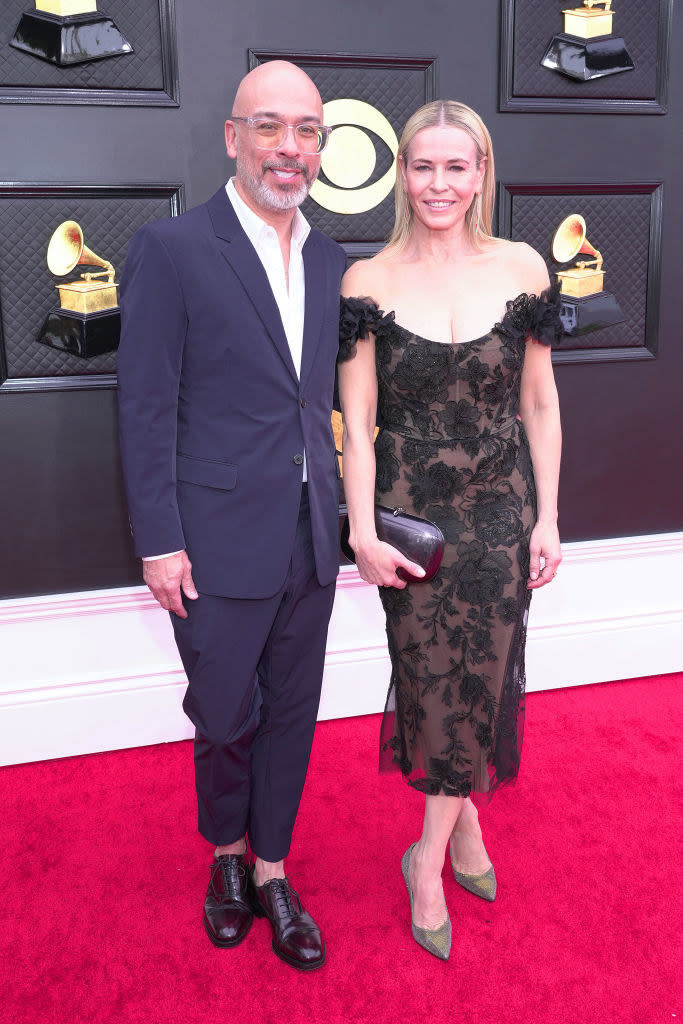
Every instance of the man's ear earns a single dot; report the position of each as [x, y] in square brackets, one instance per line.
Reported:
[230, 139]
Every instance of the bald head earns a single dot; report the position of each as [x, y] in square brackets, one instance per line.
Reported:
[276, 83]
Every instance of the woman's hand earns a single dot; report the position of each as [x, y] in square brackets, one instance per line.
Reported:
[544, 544]
[377, 563]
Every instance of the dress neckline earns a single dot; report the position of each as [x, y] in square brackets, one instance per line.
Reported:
[471, 341]
[443, 344]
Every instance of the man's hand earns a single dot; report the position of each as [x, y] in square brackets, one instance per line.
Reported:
[165, 577]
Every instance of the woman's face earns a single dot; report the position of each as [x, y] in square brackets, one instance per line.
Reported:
[441, 176]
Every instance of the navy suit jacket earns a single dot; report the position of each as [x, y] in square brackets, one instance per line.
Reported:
[213, 419]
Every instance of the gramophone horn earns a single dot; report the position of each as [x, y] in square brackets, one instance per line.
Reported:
[67, 250]
[570, 239]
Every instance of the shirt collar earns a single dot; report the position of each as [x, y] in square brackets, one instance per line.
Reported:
[256, 228]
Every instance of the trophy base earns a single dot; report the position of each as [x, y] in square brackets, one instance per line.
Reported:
[69, 40]
[580, 316]
[80, 334]
[586, 59]
[88, 296]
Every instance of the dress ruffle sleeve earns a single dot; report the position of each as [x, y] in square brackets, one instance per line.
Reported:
[535, 316]
[357, 317]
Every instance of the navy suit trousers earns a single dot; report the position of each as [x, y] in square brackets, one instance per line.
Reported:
[254, 668]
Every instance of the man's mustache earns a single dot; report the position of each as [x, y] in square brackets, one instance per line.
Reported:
[285, 165]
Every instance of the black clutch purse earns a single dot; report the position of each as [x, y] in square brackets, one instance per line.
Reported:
[418, 539]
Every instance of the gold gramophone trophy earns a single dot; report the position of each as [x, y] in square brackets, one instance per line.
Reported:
[67, 32]
[87, 321]
[587, 49]
[586, 306]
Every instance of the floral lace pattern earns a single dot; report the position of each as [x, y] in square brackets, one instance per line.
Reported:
[453, 450]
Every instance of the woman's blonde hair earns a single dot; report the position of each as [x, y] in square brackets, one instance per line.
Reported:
[480, 214]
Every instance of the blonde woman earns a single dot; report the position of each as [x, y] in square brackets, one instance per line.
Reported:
[470, 440]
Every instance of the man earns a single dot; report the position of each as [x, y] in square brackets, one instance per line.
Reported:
[226, 372]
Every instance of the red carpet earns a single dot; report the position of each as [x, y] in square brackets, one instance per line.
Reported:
[103, 877]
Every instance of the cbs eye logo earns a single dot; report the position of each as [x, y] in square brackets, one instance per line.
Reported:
[351, 156]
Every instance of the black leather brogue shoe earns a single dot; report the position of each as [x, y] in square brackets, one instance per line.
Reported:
[296, 936]
[227, 914]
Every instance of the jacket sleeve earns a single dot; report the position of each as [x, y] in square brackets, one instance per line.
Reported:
[153, 329]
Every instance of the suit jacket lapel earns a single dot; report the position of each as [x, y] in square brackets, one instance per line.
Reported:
[242, 257]
[315, 276]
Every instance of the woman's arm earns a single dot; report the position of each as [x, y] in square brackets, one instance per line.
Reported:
[540, 413]
[376, 561]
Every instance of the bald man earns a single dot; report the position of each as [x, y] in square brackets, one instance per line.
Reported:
[226, 371]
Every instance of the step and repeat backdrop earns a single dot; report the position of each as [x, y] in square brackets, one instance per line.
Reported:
[115, 111]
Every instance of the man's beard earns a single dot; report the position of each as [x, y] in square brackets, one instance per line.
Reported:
[287, 196]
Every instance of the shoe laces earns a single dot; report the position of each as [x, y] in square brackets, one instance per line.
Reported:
[232, 873]
[283, 897]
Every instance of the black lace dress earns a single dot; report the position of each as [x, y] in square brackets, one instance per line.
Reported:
[452, 449]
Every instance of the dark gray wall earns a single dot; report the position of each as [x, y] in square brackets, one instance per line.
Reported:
[63, 524]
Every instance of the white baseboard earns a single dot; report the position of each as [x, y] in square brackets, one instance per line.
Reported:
[99, 670]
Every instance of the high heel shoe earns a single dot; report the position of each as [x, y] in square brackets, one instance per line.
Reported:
[437, 940]
[484, 885]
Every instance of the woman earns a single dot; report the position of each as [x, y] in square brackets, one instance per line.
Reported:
[470, 440]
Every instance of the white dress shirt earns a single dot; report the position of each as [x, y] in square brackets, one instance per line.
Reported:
[290, 301]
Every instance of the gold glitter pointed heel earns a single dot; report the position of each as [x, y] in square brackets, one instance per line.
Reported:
[484, 885]
[437, 941]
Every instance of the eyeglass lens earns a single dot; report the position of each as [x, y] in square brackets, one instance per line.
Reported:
[270, 134]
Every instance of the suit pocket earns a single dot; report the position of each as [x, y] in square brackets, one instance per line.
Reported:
[206, 472]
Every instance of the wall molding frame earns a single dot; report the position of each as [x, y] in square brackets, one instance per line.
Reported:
[377, 93]
[508, 191]
[99, 671]
[165, 96]
[574, 102]
[351, 60]
[67, 196]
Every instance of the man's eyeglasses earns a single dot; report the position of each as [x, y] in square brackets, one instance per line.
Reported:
[268, 134]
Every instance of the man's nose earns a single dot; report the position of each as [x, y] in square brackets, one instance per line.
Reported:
[290, 144]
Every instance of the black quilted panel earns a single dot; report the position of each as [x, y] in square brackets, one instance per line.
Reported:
[27, 288]
[397, 93]
[536, 23]
[137, 20]
[619, 227]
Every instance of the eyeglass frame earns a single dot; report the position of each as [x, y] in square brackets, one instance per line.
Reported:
[250, 121]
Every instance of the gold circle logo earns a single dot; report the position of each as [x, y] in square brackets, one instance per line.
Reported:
[349, 159]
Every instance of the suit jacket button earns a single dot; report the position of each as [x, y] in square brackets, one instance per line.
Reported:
[298, 460]
[303, 403]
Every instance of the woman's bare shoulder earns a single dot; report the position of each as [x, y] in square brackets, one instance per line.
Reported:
[525, 264]
[365, 278]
